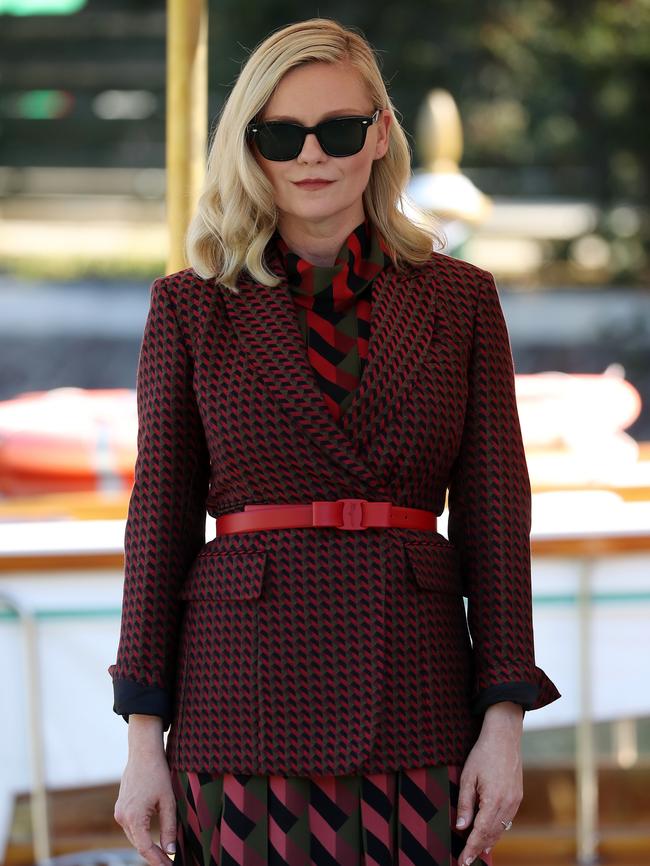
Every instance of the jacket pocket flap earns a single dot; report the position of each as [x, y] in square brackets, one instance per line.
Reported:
[435, 566]
[231, 575]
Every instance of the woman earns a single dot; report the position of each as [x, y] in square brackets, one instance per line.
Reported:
[317, 380]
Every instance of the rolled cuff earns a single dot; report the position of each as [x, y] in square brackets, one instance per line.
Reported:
[132, 697]
[524, 694]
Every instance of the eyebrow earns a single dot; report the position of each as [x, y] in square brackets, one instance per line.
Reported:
[335, 113]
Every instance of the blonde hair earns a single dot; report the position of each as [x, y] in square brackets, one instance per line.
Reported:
[236, 213]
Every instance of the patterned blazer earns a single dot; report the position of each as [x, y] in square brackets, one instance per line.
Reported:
[324, 650]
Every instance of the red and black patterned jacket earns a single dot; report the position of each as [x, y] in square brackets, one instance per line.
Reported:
[323, 650]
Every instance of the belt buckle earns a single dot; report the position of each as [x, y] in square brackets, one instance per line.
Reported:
[352, 513]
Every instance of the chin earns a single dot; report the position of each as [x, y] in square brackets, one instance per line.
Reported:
[320, 210]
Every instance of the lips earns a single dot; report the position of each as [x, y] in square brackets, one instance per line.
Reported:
[313, 182]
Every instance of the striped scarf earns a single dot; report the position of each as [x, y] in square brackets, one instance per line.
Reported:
[333, 306]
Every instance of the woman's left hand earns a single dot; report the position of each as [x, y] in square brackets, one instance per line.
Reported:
[492, 779]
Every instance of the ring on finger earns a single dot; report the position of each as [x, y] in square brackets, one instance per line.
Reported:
[506, 824]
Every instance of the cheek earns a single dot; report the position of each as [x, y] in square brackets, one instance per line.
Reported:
[357, 170]
[270, 171]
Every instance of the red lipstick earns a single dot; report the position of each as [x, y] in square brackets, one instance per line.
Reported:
[313, 183]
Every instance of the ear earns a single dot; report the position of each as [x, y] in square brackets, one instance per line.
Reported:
[383, 125]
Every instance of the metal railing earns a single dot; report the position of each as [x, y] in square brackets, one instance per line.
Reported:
[588, 550]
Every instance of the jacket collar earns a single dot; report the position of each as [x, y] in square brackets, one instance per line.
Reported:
[402, 326]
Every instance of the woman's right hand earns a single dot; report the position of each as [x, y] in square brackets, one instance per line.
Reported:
[146, 788]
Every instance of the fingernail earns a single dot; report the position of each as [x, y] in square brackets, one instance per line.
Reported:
[171, 848]
[469, 861]
[487, 850]
[461, 822]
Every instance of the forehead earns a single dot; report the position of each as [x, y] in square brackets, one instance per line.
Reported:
[315, 91]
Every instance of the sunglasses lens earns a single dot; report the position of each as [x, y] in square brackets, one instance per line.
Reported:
[343, 137]
[279, 141]
[284, 141]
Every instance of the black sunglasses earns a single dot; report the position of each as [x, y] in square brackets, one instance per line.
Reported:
[280, 140]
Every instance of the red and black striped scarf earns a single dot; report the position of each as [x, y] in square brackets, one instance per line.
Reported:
[333, 305]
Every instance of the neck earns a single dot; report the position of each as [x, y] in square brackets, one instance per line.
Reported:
[318, 242]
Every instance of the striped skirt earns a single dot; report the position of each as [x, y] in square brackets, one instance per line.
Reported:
[400, 818]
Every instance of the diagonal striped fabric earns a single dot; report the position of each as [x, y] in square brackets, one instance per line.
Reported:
[333, 306]
[400, 818]
[404, 817]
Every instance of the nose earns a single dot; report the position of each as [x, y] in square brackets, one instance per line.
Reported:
[311, 147]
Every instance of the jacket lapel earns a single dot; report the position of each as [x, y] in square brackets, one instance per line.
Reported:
[402, 325]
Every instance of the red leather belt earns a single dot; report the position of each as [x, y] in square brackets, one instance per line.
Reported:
[339, 513]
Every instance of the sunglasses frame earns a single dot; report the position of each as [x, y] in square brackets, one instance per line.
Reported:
[366, 122]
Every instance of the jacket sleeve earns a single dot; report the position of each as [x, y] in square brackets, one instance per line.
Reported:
[165, 524]
[489, 520]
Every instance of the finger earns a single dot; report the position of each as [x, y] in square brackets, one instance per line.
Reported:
[120, 819]
[155, 856]
[168, 825]
[474, 849]
[147, 848]
[484, 835]
[466, 801]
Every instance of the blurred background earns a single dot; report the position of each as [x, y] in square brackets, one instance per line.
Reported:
[529, 128]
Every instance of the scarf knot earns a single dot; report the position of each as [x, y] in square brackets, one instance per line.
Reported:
[335, 288]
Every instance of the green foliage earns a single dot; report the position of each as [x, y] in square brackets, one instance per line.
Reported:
[552, 85]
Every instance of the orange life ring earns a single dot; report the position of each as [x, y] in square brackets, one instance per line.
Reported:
[68, 439]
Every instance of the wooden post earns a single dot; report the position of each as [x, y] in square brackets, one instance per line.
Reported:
[187, 120]
[586, 757]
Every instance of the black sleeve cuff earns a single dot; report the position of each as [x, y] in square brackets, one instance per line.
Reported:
[131, 697]
[521, 693]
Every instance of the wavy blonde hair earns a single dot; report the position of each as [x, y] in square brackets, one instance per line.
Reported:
[236, 213]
